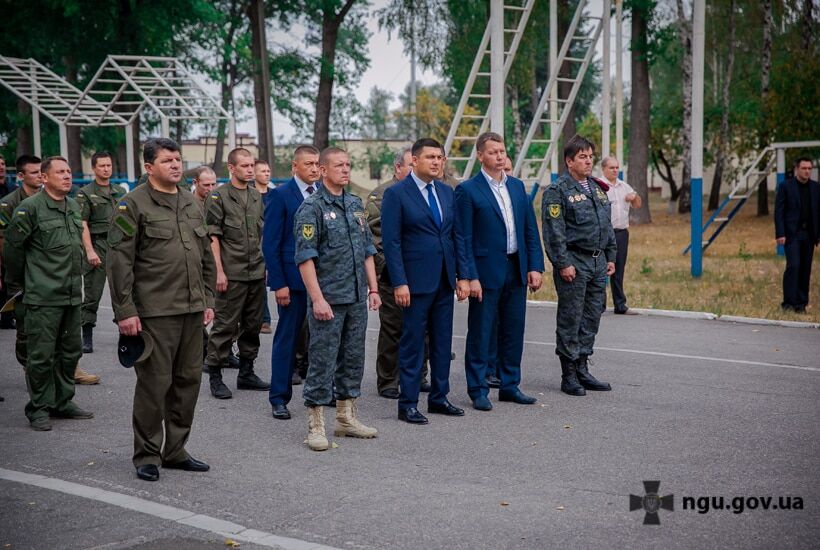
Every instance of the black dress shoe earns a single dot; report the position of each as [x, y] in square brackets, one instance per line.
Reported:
[148, 472]
[412, 416]
[445, 408]
[516, 397]
[425, 387]
[281, 412]
[189, 465]
[390, 393]
[481, 403]
[493, 381]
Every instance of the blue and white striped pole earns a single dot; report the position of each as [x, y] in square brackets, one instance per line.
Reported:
[781, 177]
[698, 44]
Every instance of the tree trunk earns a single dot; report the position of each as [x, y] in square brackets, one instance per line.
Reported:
[75, 156]
[639, 114]
[331, 22]
[665, 173]
[518, 139]
[765, 71]
[25, 135]
[685, 36]
[261, 80]
[809, 25]
[723, 138]
[565, 71]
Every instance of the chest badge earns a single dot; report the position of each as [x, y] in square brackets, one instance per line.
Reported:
[333, 215]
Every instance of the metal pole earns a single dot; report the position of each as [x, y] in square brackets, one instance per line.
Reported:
[781, 177]
[606, 88]
[63, 140]
[414, 121]
[130, 168]
[696, 220]
[619, 87]
[497, 66]
[35, 129]
[165, 130]
[554, 168]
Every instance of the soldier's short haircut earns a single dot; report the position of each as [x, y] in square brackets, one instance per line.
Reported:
[425, 142]
[802, 159]
[23, 160]
[398, 160]
[485, 137]
[152, 147]
[328, 152]
[49, 161]
[260, 161]
[305, 150]
[204, 169]
[575, 145]
[100, 155]
[233, 156]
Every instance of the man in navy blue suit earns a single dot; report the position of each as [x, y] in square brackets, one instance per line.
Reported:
[500, 253]
[797, 228]
[418, 233]
[283, 276]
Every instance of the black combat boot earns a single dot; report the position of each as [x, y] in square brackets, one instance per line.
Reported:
[588, 381]
[218, 387]
[569, 380]
[88, 342]
[247, 380]
[233, 361]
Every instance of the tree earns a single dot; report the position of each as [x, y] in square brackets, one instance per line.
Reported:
[261, 80]
[640, 102]
[685, 36]
[723, 137]
[377, 121]
[765, 71]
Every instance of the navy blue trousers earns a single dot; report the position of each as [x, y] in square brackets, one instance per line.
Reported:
[283, 352]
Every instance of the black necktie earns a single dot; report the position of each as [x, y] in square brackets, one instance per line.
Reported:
[310, 189]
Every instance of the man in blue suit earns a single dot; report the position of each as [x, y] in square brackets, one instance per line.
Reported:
[797, 228]
[283, 276]
[418, 234]
[500, 252]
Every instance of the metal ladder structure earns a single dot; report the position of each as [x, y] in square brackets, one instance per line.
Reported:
[532, 164]
[476, 96]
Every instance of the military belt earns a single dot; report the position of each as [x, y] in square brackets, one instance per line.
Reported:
[594, 253]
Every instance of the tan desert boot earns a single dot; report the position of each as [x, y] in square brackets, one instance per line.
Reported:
[82, 377]
[316, 439]
[347, 424]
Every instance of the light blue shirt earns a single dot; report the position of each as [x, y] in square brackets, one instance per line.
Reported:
[422, 187]
[303, 186]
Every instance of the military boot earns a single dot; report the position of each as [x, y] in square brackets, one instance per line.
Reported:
[569, 378]
[218, 387]
[588, 381]
[84, 378]
[88, 342]
[247, 379]
[316, 439]
[347, 424]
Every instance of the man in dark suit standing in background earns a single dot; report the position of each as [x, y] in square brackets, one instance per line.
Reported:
[797, 228]
[418, 232]
[279, 247]
[500, 252]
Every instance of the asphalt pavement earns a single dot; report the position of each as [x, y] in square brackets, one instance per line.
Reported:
[707, 408]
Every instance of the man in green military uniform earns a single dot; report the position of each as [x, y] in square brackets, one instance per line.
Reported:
[390, 315]
[234, 213]
[580, 243]
[43, 257]
[334, 252]
[97, 201]
[161, 276]
[29, 182]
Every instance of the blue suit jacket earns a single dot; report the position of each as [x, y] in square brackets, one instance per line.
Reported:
[414, 248]
[481, 235]
[278, 244]
[787, 208]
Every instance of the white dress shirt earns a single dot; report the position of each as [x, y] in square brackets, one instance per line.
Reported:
[620, 208]
[422, 188]
[303, 186]
[502, 197]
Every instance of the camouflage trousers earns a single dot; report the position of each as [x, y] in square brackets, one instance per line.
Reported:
[580, 304]
[336, 354]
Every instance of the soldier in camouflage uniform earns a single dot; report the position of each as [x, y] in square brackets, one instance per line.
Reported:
[580, 243]
[334, 252]
[43, 254]
[97, 200]
[29, 183]
[233, 213]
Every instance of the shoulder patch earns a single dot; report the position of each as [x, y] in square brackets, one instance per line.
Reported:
[555, 210]
[215, 196]
[122, 206]
[124, 225]
[308, 231]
